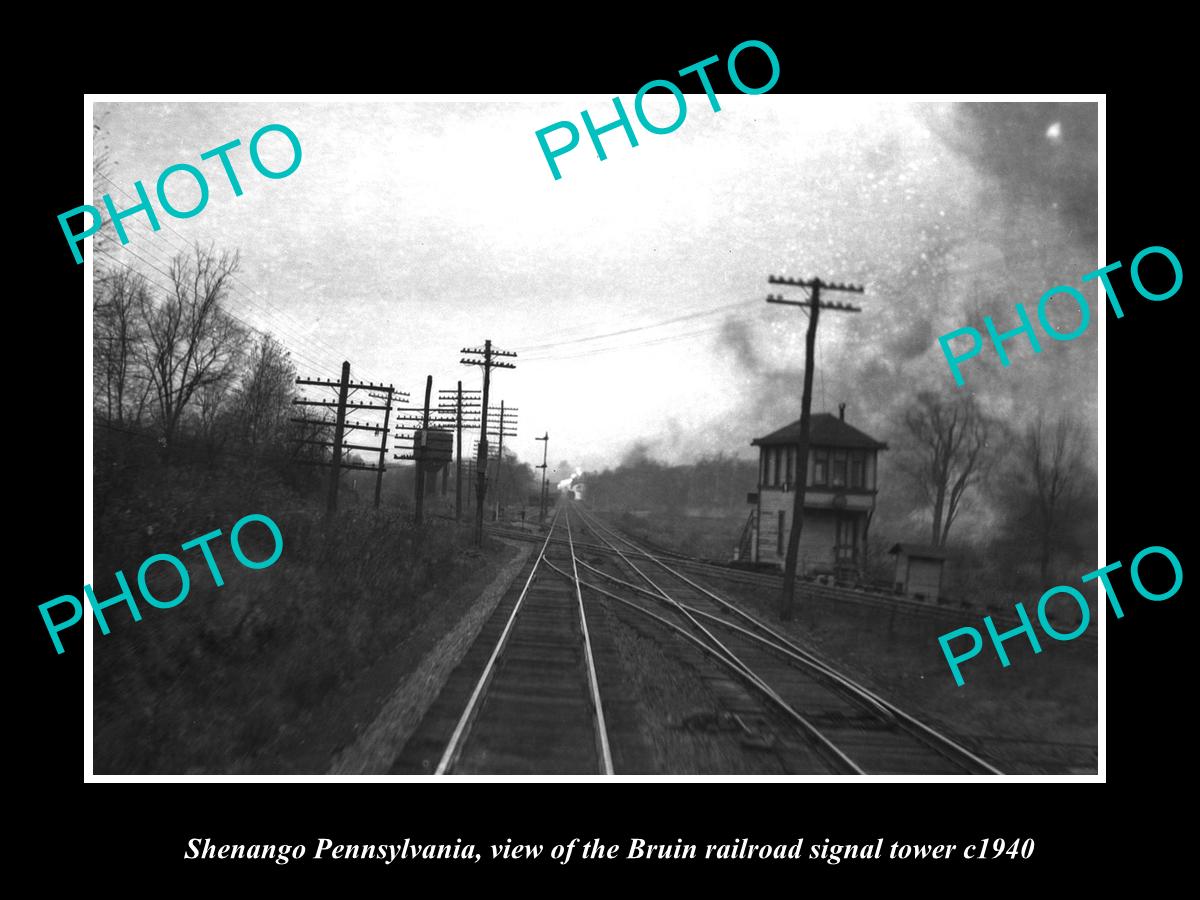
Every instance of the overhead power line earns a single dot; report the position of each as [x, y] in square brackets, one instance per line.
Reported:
[288, 334]
[672, 321]
[263, 303]
[666, 339]
[168, 290]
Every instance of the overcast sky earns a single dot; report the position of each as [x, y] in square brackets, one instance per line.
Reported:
[411, 230]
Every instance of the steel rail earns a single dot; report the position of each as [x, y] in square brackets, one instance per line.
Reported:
[746, 576]
[864, 597]
[593, 684]
[779, 648]
[937, 740]
[734, 661]
[450, 755]
[841, 758]
[729, 654]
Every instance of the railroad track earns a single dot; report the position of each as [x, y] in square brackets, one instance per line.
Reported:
[535, 705]
[853, 729]
[729, 572]
[535, 692]
[891, 603]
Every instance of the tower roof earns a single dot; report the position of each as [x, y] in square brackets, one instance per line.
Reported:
[824, 430]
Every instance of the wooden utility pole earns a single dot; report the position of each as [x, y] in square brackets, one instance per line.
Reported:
[481, 460]
[339, 431]
[507, 428]
[505, 420]
[383, 441]
[419, 453]
[488, 362]
[341, 426]
[473, 474]
[462, 404]
[458, 456]
[814, 307]
[499, 463]
[545, 449]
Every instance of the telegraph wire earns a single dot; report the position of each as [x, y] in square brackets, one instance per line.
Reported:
[289, 335]
[324, 345]
[712, 329]
[169, 290]
[595, 337]
[308, 360]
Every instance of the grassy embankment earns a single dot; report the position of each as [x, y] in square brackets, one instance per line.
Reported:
[708, 537]
[232, 679]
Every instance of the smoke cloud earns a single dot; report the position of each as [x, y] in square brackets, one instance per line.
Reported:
[570, 479]
[980, 207]
[994, 206]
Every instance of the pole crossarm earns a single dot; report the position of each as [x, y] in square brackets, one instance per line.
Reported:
[329, 382]
[330, 423]
[484, 351]
[345, 446]
[494, 365]
[817, 283]
[331, 403]
[841, 307]
[341, 465]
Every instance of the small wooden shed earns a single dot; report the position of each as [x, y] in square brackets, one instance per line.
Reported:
[919, 570]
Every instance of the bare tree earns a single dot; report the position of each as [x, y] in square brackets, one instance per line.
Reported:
[120, 386]
[952, 454]
[1052, 458]
[191, 342]
[264, 395]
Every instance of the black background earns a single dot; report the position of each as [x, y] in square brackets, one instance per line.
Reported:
[119, 831]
